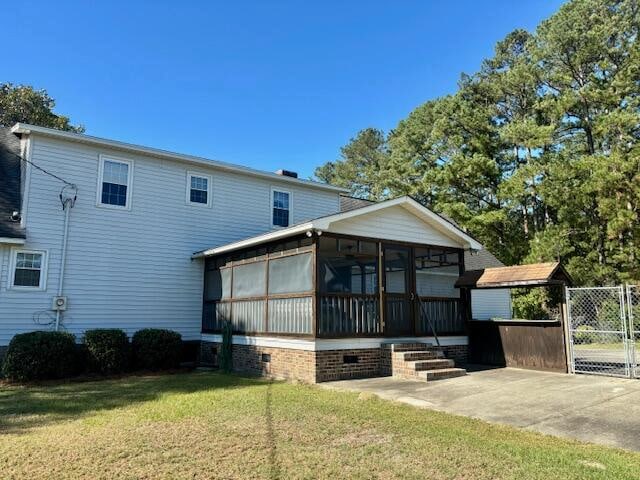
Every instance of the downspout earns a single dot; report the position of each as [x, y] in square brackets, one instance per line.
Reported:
[68, 200]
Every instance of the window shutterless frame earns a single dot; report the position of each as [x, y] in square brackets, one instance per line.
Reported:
[44, 257]
[129, 182]
[272, 208]
[209, 189]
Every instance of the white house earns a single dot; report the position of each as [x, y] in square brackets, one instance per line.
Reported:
[121, 252]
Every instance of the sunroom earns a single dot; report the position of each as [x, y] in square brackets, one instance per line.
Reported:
[351, 280]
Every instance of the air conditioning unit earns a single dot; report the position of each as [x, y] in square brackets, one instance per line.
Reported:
[59, 303]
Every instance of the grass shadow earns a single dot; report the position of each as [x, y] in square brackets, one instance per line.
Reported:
[25, 407]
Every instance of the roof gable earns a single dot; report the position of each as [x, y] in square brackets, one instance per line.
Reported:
[418, 225]
[394, 223]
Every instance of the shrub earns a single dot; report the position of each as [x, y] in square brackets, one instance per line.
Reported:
[584, 335]
[107, 350]
[156, 349]
[40, 355]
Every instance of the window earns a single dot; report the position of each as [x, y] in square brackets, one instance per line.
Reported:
[281, 204]
[115, 183]
[198, 189]
[28, 269]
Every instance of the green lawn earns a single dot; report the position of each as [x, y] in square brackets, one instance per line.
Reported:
[207, 425]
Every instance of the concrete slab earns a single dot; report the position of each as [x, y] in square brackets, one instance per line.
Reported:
[595, 409]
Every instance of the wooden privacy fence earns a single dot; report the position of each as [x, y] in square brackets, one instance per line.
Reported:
[532, 344]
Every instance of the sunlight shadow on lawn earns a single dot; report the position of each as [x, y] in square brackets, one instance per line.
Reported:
[24, 407]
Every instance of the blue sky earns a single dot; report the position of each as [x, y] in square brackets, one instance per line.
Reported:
[268, 84]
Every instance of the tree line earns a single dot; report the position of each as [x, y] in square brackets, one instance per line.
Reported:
[536, 154]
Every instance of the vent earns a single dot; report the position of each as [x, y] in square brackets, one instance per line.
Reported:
[287, 173]
[350, 359]
[266, 358]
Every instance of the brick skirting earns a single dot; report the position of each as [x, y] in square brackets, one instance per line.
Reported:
[270, 362]
[312, 366]
[458, 353]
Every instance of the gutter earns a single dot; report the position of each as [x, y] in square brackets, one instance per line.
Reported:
[26, 129]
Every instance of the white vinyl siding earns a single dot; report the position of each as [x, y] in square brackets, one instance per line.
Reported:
[491, 303]
[135, 271]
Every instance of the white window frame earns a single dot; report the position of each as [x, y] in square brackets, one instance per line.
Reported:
[209, 178]
[43, 269]
[110, 158]
[271, 207]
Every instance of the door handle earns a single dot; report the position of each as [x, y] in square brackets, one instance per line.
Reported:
[413, 296]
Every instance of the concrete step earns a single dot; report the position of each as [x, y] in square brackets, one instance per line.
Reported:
[435, 364]
[421, 355]
[410, 347]
[440, 374]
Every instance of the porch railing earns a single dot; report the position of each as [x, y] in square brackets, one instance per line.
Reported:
[443, 314]
[349, 315]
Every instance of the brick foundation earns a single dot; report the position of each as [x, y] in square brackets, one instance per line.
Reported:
[313, 366]
[458, 353]
[270, 362]
[345, 364]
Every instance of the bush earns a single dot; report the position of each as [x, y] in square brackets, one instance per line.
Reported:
[584, 335]
[107, 350]
[41, 355]
[156, 349]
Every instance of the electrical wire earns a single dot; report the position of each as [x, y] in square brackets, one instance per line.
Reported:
[47, 172]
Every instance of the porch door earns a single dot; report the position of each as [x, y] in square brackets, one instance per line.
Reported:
[398, 297]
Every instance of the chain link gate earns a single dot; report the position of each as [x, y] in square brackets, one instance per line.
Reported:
[597, 331]
[633, 315]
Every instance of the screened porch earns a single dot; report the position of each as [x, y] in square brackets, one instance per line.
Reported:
[328, 285]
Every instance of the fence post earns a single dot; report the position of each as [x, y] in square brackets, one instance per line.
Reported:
[568, 340]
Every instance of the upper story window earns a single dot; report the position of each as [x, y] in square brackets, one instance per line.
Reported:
[115, 182]
[281, 208]
[28, 269]
[198, 189]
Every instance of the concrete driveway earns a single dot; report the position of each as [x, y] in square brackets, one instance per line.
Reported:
[594, 409]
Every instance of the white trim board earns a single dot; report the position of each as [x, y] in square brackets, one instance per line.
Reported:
[323, 344]
[12, 241]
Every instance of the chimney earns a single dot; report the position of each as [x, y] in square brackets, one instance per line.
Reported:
[287, 173]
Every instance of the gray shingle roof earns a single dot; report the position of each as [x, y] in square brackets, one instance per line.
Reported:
[348, 203]
[9, 184]
[472, 260]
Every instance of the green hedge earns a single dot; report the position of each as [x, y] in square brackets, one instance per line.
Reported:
[156, 349]
[107, 350]
[41, 355]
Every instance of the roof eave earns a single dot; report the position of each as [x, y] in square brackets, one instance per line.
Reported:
[26, 129]
[257, 240]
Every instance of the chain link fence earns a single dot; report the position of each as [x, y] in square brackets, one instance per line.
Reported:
[597, 331]
[633, 316]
